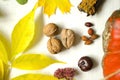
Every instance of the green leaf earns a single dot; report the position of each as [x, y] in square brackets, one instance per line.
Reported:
[22, 2]
[1, 70]
[23, 33]
[4, 47]
[33, 61]
[35, 77]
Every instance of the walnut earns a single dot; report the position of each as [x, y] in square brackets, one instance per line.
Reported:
[50, 29]
[67, 38]
[54, 45]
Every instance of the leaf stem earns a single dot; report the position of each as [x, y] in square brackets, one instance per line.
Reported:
[7, 69]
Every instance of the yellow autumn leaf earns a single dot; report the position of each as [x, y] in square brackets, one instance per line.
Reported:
[64, 5]
[33, 61]
[3, 49]
[50, 6]
[1, 70]
[35, 77]
[23, 32]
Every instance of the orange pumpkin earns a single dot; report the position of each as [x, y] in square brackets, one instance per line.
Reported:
[111, 46]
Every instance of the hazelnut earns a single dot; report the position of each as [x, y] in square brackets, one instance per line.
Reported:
[85, 63]
[54, 45]
[90, 31]
[50, 29]
[67, 38]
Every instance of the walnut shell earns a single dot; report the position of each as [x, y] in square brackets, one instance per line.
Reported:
[54, 45]
[67, 38]
[50, 29]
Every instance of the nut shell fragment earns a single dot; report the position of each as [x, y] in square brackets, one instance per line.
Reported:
[67, 38]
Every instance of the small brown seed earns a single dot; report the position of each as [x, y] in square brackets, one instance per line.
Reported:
[88, 42]
[90, 31]
[88, 24]
[84, 38]
[94, 36]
